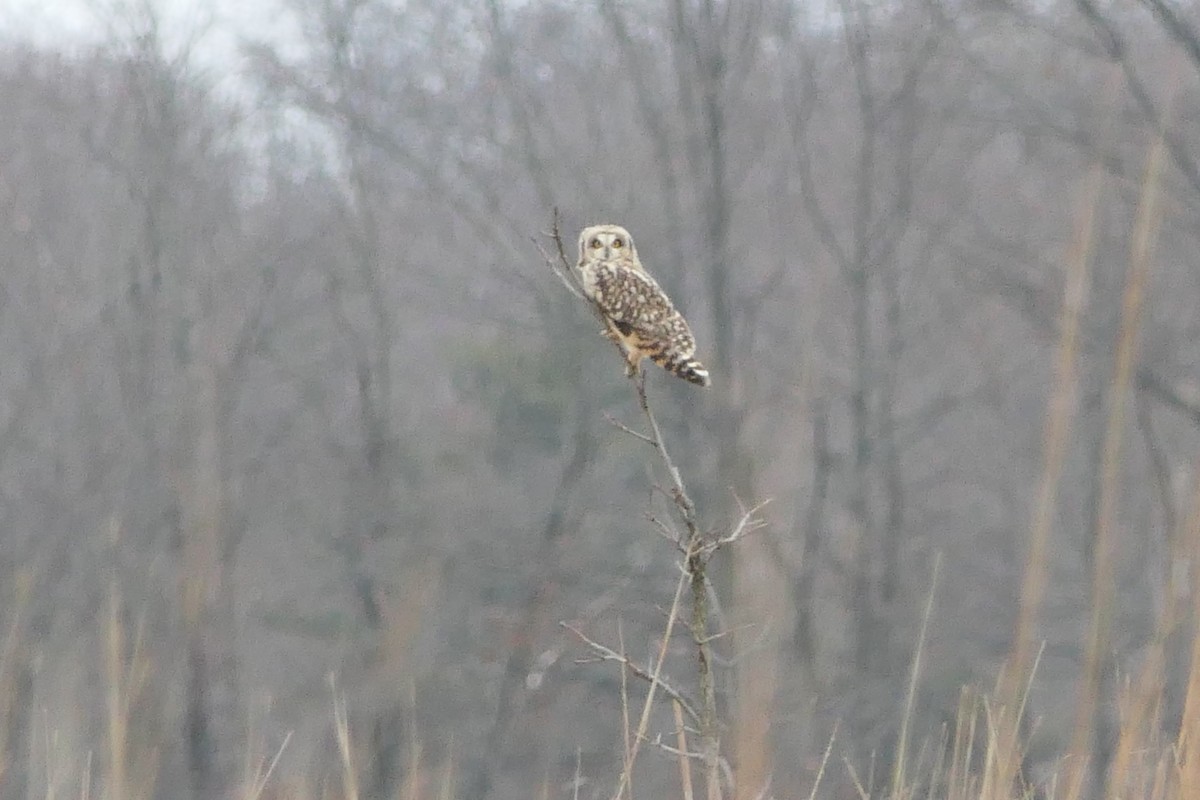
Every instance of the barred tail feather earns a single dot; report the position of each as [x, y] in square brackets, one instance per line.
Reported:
[689, 369]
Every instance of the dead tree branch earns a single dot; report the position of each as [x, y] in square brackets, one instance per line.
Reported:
[696, 546]
[605, 653]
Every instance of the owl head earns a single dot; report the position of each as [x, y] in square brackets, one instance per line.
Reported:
[606, 242]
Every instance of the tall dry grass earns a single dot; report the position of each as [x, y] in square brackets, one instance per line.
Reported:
[976, 757]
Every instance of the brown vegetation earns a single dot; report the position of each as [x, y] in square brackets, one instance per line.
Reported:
[310, 485]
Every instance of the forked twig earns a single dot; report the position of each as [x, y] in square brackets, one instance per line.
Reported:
[608, 654]
[747, 524]
[616, 423]
[558, 262]
[564, 276]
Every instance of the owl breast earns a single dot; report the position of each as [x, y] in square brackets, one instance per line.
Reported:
[587, 272]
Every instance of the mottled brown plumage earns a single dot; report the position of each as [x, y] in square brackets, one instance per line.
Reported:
[638, 313]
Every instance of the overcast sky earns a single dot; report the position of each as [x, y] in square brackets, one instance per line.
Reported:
[71, 24]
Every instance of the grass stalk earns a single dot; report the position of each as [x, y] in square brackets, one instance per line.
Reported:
[118, 729]
[1145, 233]
[341, 724]
[685, 766]
[626, 749]
[899, 775]
[1060, 413]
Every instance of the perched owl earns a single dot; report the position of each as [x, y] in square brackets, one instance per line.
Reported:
[638, 313]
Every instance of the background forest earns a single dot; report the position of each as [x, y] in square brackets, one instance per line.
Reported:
[303, 449]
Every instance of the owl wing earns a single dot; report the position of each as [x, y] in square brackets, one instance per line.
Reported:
[645, 323]
[638, 307]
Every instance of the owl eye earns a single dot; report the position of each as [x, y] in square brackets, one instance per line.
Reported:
[595, 244]
[618, 243]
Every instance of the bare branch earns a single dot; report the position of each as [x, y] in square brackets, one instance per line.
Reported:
[605, 653]
[748, 523]
[564, 276]
[621, 425]
[664, 530]
[675, 751]
[697, 549]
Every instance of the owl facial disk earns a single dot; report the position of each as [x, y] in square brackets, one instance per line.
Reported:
[603, 241]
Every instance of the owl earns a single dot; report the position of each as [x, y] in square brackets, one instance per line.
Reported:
[638, 314]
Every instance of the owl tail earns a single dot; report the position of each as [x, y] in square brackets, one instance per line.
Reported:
[689, 369]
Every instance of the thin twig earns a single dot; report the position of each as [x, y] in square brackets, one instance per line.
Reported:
[625, 752]
[664, 530]
[558, 263]
[748, 523]
[261, 778]
[608, 654]
[562, 276]
[676, 751]
[621, 425]
[824, 760]
[712, 637]
[644, 722]
[687, 509]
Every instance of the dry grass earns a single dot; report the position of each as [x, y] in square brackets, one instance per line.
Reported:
[977, 757]
[964, 764]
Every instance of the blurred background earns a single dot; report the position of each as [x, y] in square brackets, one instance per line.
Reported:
[295, 420]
